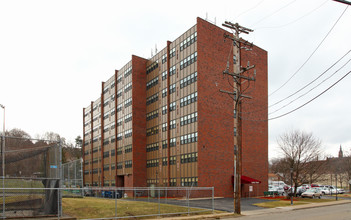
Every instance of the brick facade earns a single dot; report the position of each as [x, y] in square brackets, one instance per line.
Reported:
[206, 159]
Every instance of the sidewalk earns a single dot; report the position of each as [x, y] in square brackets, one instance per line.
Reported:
[294, 207]
[260, 211]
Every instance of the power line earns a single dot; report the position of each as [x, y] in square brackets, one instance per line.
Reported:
[320, 75]
[311, 53]
[262, 120]
[289, 23]
[248, 10]
[310, 89]
[273, 13]
[312, 98]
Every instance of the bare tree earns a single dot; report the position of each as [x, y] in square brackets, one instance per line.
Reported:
[345, 167]
[299, 149]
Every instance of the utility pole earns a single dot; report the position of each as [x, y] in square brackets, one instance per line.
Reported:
[238, 96]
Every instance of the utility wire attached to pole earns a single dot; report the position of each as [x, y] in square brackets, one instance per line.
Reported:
[238, 95]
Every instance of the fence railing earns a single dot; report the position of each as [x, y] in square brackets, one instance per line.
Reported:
[106, 202]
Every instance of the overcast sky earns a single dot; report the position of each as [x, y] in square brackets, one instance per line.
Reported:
[55, 54]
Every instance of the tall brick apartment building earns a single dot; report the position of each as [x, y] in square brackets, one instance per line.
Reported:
[163, 122]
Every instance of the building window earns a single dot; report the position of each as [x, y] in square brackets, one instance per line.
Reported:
[119, 93]
[128, 164]
[164, 126]
[119, 136]
[173, 142]
[164, 110]
[188, 138]
[164, 161]
[172, 160]
[188, 60]
[105, 103]
[152, 83]
[152, 163]
[119, 107]
[120, 165]
[128, 87]
[164, 75]
[128, 133]
[119, 79]
[151, 147]
[164, 92]
[172, 71]
[127, 72]
[106, 142]
[172, 88]
[113, 139]
[188, 99]
[172, 124]
[172, 53]
[164, 144]
[188, 41]
[189, 181]
[127, 102]
[188, 80]
[164, 58]
[188, 158]
[152, 99]
[172, 106]
[128, 149]
[173, 182]
[152, 67]
[188, 119]
[119, 122]
[112, 126]
[106, 154]
[151, 115]
[128, 118]
[152, 131]
[106, 115]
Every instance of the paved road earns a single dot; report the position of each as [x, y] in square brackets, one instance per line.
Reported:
[335, 212]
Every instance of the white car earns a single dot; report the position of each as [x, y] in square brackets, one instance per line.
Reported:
[324, 190]
[338, 190]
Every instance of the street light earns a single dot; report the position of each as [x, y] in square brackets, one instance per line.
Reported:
[291, 181]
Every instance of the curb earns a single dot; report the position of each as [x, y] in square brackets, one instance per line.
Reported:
[297, 207]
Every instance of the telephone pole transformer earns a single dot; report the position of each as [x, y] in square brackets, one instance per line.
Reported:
[238, 95]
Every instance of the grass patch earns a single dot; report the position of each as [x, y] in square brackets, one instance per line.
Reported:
[287, 202]
[346, 195]
[104, 208]
[20, 198]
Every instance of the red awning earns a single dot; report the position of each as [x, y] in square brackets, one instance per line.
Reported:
[248, 180]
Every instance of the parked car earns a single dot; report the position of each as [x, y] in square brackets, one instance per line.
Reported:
[334, 190]
[299, 190]
[312, 193]
[325, 190]
[280, 190]
[306, 186]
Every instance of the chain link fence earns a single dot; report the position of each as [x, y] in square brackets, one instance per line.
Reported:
[72, 178]
[139, 202]
[30, 172]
